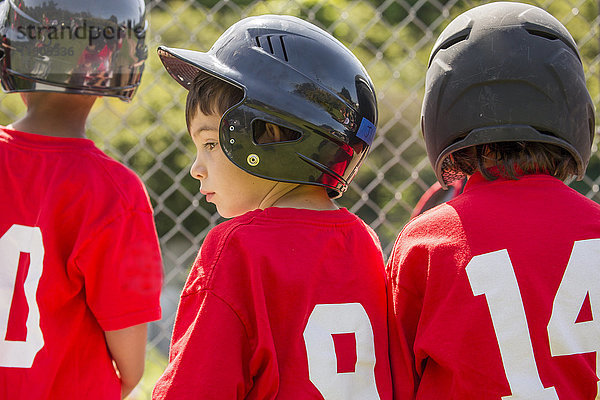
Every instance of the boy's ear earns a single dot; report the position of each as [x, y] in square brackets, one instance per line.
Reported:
[272, 134]
[267, 133]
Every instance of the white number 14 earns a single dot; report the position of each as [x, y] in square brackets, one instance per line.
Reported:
[492, 274]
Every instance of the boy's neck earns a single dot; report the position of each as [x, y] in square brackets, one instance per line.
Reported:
[286, 195]
[55, 114]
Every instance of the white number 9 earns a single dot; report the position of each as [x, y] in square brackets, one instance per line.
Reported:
[330, 319]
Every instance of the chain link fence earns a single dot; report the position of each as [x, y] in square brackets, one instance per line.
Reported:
[392, 38]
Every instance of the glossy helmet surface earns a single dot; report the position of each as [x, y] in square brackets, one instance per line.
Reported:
[73, 46]
[505, 72]
[297, 76]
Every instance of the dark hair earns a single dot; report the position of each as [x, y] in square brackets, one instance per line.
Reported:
[513, 159]
[214, 96]
[211, 96]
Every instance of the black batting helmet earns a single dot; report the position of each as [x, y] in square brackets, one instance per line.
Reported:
[505, 72]
[73, 46]
[297, 76]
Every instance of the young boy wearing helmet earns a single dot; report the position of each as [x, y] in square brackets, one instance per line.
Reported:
[80, 264]
[490, 293]
[287, 299]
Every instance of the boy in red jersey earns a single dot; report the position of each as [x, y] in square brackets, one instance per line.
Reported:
[287, 299]
[495, 294]
[80, 266]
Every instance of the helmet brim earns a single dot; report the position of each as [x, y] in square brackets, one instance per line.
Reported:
[184, 65]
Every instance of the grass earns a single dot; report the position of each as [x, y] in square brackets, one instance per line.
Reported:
[156, 363]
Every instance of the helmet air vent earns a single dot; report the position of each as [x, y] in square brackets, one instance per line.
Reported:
[454, 40]
[551, 34]
[274, 45]
[544, 34]
[458, 37]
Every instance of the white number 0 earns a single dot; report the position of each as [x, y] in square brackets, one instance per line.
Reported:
[20, 239]
[325, 321]
[492, 274]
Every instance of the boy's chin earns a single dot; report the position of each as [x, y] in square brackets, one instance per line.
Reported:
[230, 213]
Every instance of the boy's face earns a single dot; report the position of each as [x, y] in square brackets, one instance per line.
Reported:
[231, 189]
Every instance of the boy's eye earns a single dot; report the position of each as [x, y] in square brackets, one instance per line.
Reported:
[210, 145]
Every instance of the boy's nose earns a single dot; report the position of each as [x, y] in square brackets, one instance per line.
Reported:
[198, 171]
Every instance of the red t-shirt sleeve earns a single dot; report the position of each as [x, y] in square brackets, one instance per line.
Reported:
[216, 349]
[208, 353]
[122, 269]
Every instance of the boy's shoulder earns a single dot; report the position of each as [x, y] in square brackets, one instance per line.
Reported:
[110, 176]
[278, 223]
[538, 193]
[78, 160]
[122, 175]
[222, 231]
[262, 240]
[104, 173]
[225, 232]
[275, 218]
[441, 219]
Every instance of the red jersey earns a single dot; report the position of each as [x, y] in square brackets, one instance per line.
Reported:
[491, 293]
[79, 256]
[282, 303]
